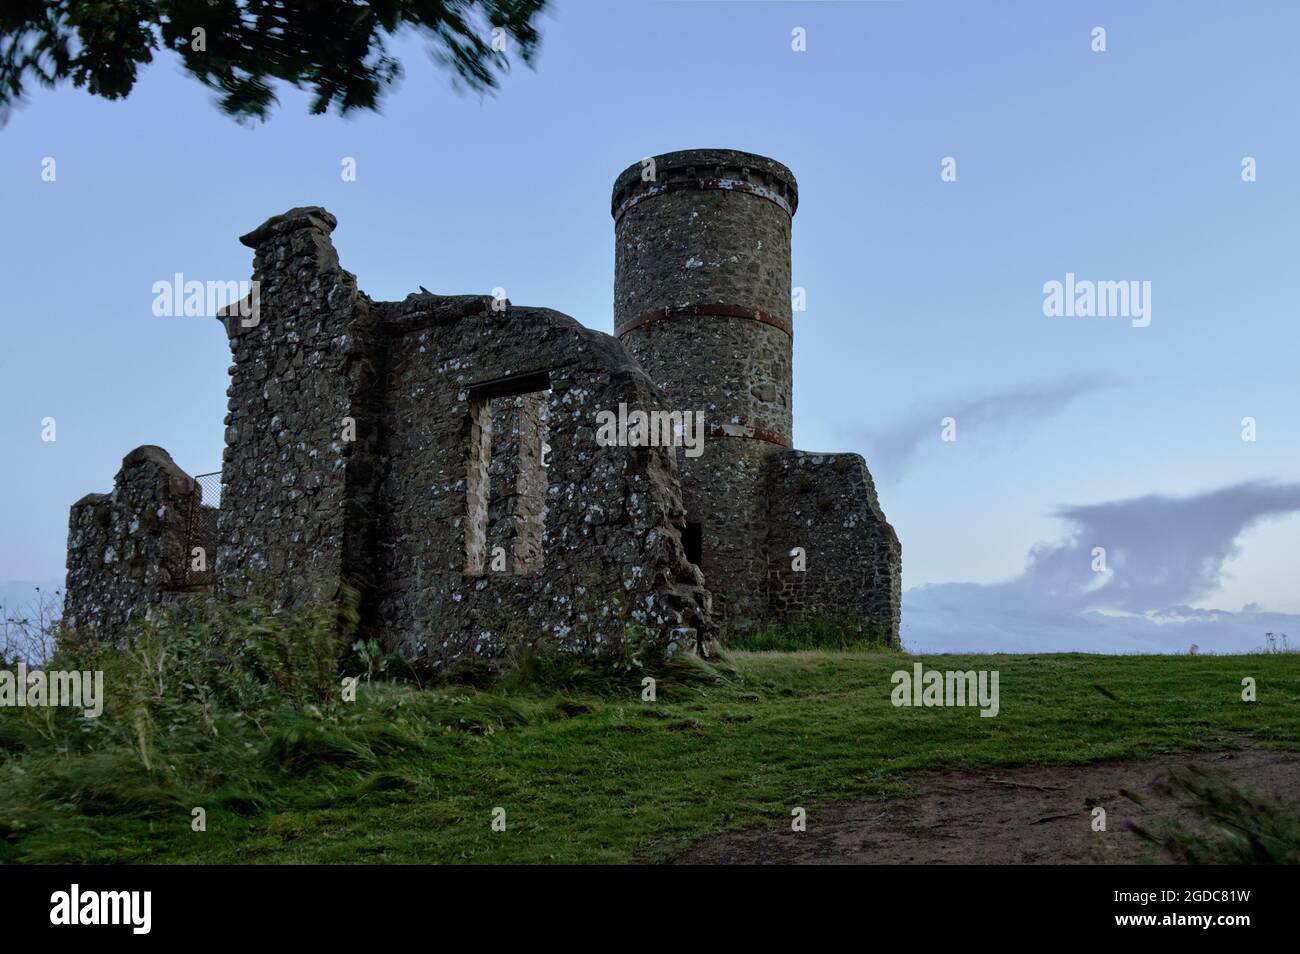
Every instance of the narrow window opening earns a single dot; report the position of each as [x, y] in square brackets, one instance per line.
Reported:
[507, 476]
[693, 541]
[479, 447]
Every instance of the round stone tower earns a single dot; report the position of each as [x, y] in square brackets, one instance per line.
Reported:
[702, 300]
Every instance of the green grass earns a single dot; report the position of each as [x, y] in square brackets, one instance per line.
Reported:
[795, 637]
[585, 770]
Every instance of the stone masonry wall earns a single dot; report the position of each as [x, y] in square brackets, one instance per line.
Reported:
[610, 560]
[390, 446]
[826, 504]
[303, 423]
[724, 490]
[127, 549]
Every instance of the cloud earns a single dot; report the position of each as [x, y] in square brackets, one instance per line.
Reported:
[1161, 553]
[986, 419]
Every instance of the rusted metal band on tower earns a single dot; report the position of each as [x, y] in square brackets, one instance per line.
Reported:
[671, 312]
[754, 433]
[680, 185]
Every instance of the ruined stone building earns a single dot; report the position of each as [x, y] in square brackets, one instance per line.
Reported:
[442, 454]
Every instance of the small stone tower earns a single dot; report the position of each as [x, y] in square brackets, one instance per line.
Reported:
[702, 300]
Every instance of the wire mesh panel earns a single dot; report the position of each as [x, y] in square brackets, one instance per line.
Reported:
[210, 485]
[201, 538]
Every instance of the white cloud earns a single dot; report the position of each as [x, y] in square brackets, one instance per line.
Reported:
[1161, 554]
[986, 419]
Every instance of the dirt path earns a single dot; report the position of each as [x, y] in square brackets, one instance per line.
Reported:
[1044, 817]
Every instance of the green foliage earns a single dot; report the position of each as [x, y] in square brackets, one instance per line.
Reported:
[530, 668]
[1237, 828]
[809, 634]
[370, 658]
[296, 653]
[196, 715]
[337, 49]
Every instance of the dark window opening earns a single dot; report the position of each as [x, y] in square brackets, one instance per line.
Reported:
[693, 542]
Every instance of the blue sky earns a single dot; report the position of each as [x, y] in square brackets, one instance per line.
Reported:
[924, 297]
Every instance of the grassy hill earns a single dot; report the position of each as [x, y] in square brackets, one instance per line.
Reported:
[585, 770]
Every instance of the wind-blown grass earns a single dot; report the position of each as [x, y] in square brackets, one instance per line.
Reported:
[585, 769]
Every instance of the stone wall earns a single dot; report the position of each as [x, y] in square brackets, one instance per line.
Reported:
[127, 549]
[600, 525]
[392, 446]
[826, 504]
[303, 424]
[724, 491]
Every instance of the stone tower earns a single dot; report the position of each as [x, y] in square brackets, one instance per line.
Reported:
[702, 300]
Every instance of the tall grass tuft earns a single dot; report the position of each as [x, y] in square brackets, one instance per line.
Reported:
[202, 706]
[1234, 827]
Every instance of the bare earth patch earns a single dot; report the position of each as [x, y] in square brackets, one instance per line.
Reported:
[1034, 815]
